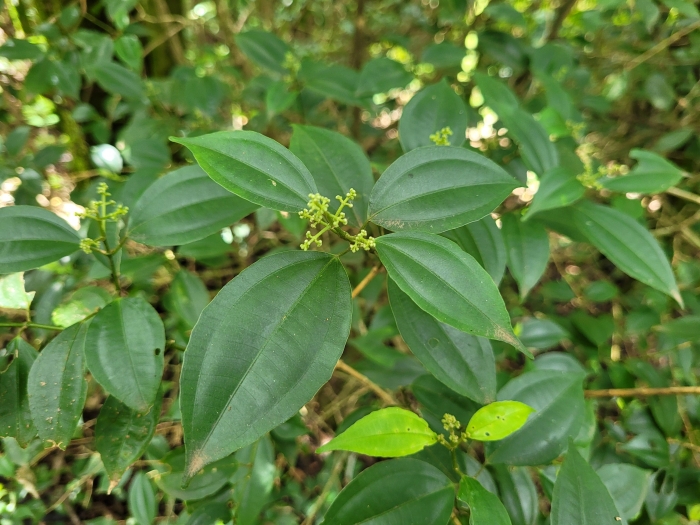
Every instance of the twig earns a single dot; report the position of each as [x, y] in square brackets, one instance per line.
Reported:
[644, 391]
[364, 282]
[661, 45]
[326, 489]
[33, 325]
[682, 194]
[385, 396]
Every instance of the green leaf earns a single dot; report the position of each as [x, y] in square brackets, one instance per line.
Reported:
[142, 499]
[447, 283]
[652, 174]
[275, 332]
[430, 110]
[557, 398]
[333, 81]
[264, 49]
[484, 508]
[336, 164]
[85, 301]
[527, 246]
[580, 496]
[482, 240]
[389, 433]
[279, 97]
[210, 513]
[130, 51]
[16, 140]
[124, 351]
[438, 188]
[627, 244]
[187, 297]
[391, 492]
[537, 151]
[122, 435]
[444, 55]
[559, 187]
[57, 386]
[182, 207]
[20, 49]
[518, 494]
[15, 416]
[254, 480]
[253, 167]
[12, 294]
[118, 80]
[498, 420]
[31, 237]
[209, 481]
[463, 362]
[497, 95]
[628, 486]
[380, 75]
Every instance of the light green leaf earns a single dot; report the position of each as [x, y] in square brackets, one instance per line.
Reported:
[264, 49]
[484, 508]
[627, 244]
[559, 187]
[438, 188]
[123, 434]
[580, 496]
[498, 420]
[124, 351]
[275, 332]
[20, 49]
[83, 302]
[447, 283]
[652, 174]
[463, 362]
[557, 398]
[336, 164]
[253, 167]
[482, 240]
[15, 416]
[184, 206]
[430, 110]
[527, 246]
[31, 237]
[57, 386]
[254, 480]
[380, 75]
[389, 433]
[12, 294]
[142, 499]
[391, 492]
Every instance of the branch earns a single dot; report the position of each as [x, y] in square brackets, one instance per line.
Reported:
[644, 391]
[662, 45]
[382, 394]
[364, 282]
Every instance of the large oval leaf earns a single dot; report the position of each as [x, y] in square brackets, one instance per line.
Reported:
[438, 188]
[484, 508]
[57, 386]
[254, 167]
[275, 333]
[124, 350]
[15, 415]
[391, 492]
[527, 246]
[389, 433]
[463, 362]
[336, 164]
[557, 398]
[430, 110]
[482, 240]
[31, 237]
[122, 435]
[447, 283]
[580, 496]
[184, 206]
[498, 420]
[627, 244]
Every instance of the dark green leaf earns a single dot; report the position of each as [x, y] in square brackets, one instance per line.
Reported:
[275, 332]
[57, 386]
[444, 55]
[380, 75]
[463, 362]
[537, 151]
[254, 480]
[336, 164]
[333, 81]
[628, 486]
[253, 167]
[527, 246]
[187, 297]
[279, 97]
[580, 496]
[264, 49]
[210, 513]
[31, 237]
[627, 244]
[15, 416]
[482, 240]
[116, 79]
[130, 51]
[447, 283]
[142, 499]
[209, 481]
[122, 435]
[184, 206]
[484, 508]
[20, 49]
[391, 492]
[438, 188]
[518, 494]
[652, 174]
[559, 187]
[497, 95]
[124, 351]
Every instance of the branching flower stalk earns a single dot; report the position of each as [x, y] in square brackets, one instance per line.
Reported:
[318, 215]
[442, 137]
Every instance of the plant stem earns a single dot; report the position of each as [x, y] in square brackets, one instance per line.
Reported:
[643, 391]
[364, 282]
[385, 396]
[326, 489]
[33, 325]
[685, 195]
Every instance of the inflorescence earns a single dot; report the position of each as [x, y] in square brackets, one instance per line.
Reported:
[442, 137]
[97, 211]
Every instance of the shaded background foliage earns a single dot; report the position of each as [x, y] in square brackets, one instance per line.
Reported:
[91, 91]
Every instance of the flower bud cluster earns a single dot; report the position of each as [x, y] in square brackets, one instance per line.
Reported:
[442, 137]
